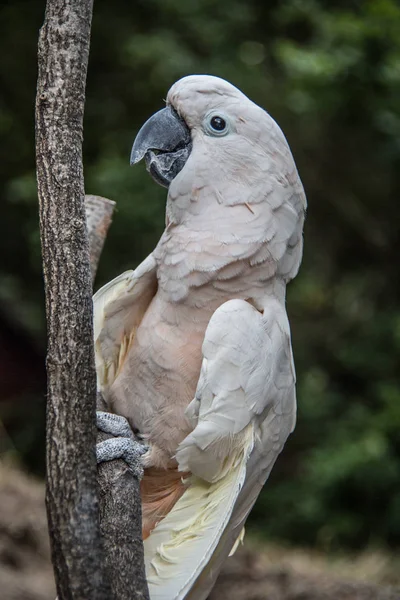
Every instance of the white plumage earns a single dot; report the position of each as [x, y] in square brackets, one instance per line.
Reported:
[193, 347]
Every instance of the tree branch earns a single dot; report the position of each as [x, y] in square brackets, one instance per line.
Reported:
[121, 526]
[119, 489]
[71, 435]
[99, 211]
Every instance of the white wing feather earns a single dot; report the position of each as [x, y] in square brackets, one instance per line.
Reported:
[243, 411]
[118, 308]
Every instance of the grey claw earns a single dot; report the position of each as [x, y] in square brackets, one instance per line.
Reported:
[124, 445]
[127, 449]
[114, 424]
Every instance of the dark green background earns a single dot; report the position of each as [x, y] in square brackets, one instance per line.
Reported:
[329, 73]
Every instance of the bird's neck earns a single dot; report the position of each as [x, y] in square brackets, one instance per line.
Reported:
[197, 270]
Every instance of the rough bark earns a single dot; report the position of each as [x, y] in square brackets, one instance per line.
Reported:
[119, 489]
[71, 496]
[121, 526]
[99, 211]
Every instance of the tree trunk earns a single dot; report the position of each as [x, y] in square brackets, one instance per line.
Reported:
[71, 499]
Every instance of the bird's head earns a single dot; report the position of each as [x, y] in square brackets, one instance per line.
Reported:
[222, 155]
[207, 113]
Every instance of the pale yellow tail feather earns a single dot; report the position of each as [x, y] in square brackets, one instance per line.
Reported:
[181, 545]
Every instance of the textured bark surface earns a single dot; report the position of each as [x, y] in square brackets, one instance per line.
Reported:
[71, 496]
[119, 489]
[99, 212]
[121, 526]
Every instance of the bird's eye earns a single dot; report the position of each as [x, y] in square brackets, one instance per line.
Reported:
[216, 124]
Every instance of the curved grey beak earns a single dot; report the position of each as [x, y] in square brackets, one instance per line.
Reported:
[165, 143]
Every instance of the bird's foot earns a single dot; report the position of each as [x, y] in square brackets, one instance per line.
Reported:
[123, 445]
[114, 424]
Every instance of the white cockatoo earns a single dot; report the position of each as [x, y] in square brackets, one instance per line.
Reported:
[193, 346]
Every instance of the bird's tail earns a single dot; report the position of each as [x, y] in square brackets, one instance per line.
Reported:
[182, 544]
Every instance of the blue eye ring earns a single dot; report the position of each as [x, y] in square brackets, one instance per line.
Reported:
[216, 124]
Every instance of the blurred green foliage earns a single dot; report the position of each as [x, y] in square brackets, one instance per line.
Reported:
[329, 72]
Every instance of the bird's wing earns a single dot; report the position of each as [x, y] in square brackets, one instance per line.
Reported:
[118, 308]
[242, 413]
